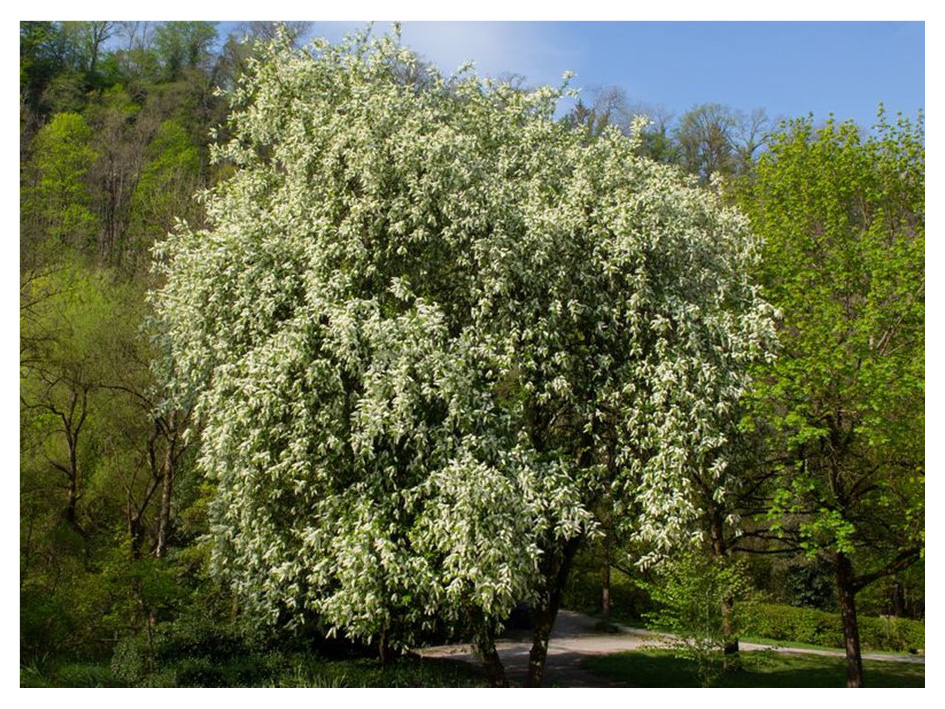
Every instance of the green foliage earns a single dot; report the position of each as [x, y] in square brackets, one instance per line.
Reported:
[183, 45]
[405, 672]
[57, 199]
[447, 208]
[426, 324]
[192, 651]
[689, 591]
[204, 652]
[68, 674]
[813, 627]
[705, 136]
[760, 670]
[629, 601]
[168, 180]
[843, 222]
[810, 585]
[842, 215]
[94, 118]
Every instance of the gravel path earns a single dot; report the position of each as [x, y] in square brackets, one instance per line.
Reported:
[574, 637]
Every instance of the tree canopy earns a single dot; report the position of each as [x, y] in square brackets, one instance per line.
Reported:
[427, 326]
[843, 217]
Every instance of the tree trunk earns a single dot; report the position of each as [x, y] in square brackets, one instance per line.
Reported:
[558, 567]
[846, 592]
[491, 662]
[383, 649]
[720, 552]
[605, 587]
[167, 487]
[544, 620]
[731, 659]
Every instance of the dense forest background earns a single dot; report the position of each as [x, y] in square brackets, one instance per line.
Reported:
[116, 120]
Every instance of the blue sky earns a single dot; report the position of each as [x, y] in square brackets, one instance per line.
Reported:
[788, 68]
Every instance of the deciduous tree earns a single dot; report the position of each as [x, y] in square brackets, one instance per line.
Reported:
[57, 200]
[428, 327]
[843, 218]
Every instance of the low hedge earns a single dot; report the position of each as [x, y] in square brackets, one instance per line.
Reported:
[813, 627]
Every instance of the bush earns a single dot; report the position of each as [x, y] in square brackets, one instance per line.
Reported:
[204, 638]
[813, 627]
[130, 660]
[891, 633]
[690, 589]
[189, 652]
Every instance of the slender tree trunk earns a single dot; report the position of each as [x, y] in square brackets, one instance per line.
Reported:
[731, 659]
[605, 584]
[846, 592]
[72, 503]
[167, 487]
[71, 428]
[720, 551]
[557, 568]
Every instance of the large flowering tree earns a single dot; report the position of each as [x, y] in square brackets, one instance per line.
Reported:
[428, 327]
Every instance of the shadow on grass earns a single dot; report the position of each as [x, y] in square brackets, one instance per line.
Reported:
[654, 668]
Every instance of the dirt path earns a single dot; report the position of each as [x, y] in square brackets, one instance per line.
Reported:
[574, 637]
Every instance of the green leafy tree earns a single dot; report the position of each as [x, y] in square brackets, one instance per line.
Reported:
[657, 141]
[57, 200]
[692, 590]
[427, 327]
[705, 136]
[89, 38]
[98, 458]
[713, 139]
[134, 55]
[164, 192]
[181, 46]
[121, 131]
[843, 218]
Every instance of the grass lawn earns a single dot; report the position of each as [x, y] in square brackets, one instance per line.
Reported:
[659, 668]
[272, 670]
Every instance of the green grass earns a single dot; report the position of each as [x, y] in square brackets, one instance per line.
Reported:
[659, 668]
[807, 646]
[272, 670]
[406, 672]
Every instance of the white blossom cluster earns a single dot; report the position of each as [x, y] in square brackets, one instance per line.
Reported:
[427, 324]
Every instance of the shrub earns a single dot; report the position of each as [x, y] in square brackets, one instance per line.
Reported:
[204, 638]
[690, 589]
[813, 627]
[130, 660]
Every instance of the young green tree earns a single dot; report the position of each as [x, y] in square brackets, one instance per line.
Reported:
[843, 218]
[56, 199]
[694, 593]
[121, 132]
[427, 327]
[89, 38]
